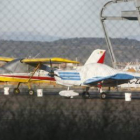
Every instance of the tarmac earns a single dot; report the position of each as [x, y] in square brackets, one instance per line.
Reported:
[94, 93]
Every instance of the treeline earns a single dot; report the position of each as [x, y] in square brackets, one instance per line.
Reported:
[125, 50]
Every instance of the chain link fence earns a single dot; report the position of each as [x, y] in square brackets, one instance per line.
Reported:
[70, 29]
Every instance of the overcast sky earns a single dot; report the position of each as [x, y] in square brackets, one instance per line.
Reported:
[63, 18]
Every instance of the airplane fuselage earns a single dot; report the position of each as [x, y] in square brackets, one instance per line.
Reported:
[90, 71]
[39, 76]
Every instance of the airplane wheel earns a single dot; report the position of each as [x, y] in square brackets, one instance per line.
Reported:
[85, 94]
[103, 95]
[31, 92]
[16, 91]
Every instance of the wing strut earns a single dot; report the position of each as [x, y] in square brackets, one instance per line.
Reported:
[37, 67]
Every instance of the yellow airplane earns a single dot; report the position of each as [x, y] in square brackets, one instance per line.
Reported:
[29, 70]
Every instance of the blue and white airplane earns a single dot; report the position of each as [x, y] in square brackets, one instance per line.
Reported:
[93, 73]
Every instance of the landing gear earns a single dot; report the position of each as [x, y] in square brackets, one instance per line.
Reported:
[86, 94]
[31, 92]
[16, 91]
[103, 95]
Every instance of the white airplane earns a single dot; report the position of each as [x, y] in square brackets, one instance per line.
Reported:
[93, 73]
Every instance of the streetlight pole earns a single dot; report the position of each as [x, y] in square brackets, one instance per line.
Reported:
[137, 4]
[103, 18]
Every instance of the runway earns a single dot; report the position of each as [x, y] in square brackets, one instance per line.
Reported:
[93, 93]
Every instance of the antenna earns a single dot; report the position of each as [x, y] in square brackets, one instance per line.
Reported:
[37, 55]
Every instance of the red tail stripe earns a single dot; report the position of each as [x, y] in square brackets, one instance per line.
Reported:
[101, 60]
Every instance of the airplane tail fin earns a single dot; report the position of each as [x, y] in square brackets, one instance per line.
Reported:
[97, 56]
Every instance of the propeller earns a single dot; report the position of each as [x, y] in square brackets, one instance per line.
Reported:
[51, 73]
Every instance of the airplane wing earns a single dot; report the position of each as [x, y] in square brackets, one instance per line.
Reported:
[47, 60]
[40, 60]
[112, 79]
[6, 59]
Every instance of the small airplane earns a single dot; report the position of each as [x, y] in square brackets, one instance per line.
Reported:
[33, 70]
[92, 74]
[27, 70]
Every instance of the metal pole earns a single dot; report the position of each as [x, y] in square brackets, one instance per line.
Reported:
[103, 18]
[137, 3]
[113, 59]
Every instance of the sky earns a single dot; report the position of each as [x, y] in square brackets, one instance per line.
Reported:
[64, 18]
